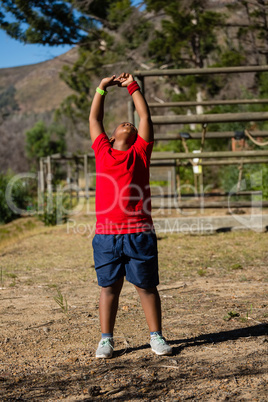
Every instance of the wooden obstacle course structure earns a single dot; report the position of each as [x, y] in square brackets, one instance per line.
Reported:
[173, 160]
[211, 158]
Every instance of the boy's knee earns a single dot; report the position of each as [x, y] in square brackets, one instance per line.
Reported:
[146, 290]
[113, 289]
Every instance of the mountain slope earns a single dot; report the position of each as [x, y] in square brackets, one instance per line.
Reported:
[29, 94]
[38, 86]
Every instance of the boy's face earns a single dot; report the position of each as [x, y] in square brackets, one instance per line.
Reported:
[126, 132]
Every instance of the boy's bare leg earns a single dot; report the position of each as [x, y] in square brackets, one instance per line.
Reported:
[151, 305]
[108, 305]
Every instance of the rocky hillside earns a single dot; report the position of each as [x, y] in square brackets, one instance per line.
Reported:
[29, 94]
[32, 93]
[38, 88]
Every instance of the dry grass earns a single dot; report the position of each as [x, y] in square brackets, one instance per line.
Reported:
[234, 255]
[47, 349]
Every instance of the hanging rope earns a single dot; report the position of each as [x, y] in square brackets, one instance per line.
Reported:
[203, 136]
[186, 149]
[260, 144]
[240, 169]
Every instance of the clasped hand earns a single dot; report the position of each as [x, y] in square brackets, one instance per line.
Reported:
[123, 80]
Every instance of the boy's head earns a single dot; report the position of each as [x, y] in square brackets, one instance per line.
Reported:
[125, 134]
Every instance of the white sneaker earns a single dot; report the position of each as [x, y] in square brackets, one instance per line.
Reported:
[105, 348]
[160, 346]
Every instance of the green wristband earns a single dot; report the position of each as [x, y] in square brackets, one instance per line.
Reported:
[101, 91]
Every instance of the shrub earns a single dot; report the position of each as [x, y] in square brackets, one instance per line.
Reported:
[43, 141]
[20, 197]
[56, 212]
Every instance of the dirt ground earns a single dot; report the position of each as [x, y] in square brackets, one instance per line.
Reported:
[215, 312]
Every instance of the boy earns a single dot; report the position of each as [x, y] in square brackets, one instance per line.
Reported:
[125, 242]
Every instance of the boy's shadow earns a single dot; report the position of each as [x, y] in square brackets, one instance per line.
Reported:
[204, 339]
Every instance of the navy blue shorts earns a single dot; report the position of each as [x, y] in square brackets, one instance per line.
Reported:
[133, 255]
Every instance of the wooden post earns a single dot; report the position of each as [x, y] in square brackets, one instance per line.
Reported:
[174, 179]
[49, 187]
[201, 191]
[77, 178]
[49, 175]
[42, 183]
[86, 177]
[179, 184]
[69, 182]
[131, 117]
[41, 187]
[195, 183]
[140, 81]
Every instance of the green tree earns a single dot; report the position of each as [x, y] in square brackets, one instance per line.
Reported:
[41, 21]
[21, 197]
[188, 33]
[8, 103]
[188, 38]
[252, 29]
[43, 141]
[106, 32]
[119, 44]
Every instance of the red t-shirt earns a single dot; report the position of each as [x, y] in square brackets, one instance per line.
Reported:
[123, 197]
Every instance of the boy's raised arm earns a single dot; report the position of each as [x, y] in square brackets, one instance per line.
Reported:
[145, 128]
[97, 107]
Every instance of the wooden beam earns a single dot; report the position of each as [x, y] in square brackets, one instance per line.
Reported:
[71, 157]
[156, 163]
[192, 196]
[219, 204]
[210, 118]
[227, 162]
[200, 71]
[204, 155]
[209, 103]
[209, 135]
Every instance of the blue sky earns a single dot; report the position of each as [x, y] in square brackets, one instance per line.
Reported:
[13, 53]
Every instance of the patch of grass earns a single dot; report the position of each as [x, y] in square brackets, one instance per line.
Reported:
[17, 229]
[3, 230]
[230, 315]
[236, 266]
[29, 282]
[201, 272]
[14, 277]
[52, 286]
[243, 278]
[1, 277]
[223, 251]
[245, 319]
[61, 301]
